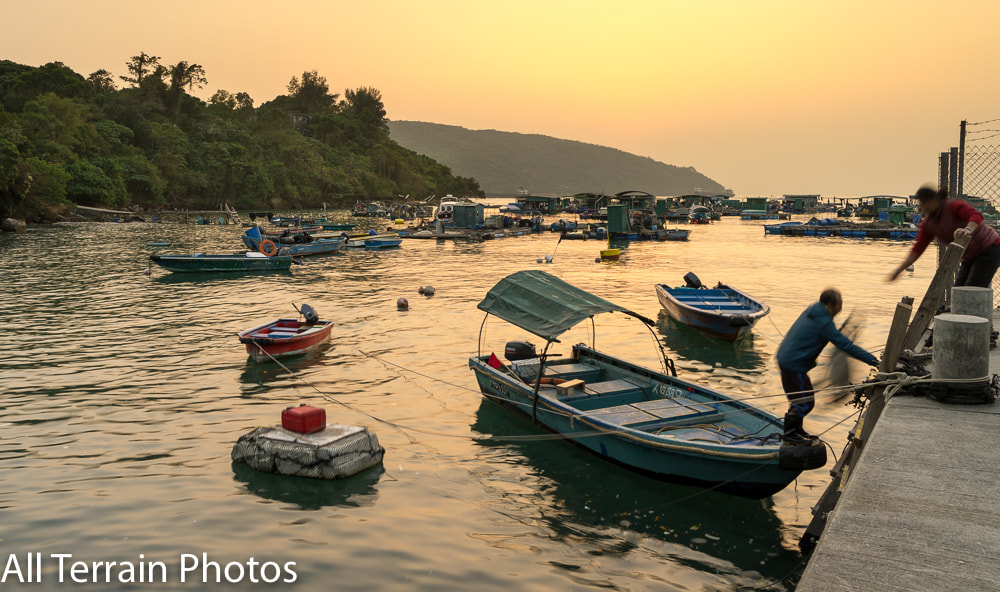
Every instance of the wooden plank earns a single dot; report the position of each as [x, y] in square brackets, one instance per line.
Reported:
[935, 292]
[897, 331]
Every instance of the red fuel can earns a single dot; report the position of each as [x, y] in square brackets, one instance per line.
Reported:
[303, 419]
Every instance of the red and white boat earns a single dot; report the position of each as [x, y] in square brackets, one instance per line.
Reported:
[287, 337]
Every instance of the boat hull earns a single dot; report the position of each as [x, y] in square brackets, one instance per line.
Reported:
[724, 313]
[198, 263]
[680, 450]
[320, 246]
[284, 338]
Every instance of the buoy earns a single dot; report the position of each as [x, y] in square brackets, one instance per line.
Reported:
[402, 304]
[147, 271]
[400, 221]
[597, 259]
[428, 290]
[610, 254]
[420, 290]
[539, 260]
[909, 268]
[548, 258]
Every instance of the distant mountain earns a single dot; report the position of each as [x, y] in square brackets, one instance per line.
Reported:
[506, 162]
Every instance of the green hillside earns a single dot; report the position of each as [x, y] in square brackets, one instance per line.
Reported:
[505, 162]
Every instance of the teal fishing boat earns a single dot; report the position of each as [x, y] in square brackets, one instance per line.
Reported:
[649, 421]
[202, 263]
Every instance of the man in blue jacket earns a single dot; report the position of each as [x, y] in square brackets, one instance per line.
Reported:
[797, 356]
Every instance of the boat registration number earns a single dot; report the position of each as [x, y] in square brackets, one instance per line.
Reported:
[668, 392]
[499, 387]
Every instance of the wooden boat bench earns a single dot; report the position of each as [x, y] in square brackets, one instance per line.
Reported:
[659, 413]
[584, 372]
[591, 395]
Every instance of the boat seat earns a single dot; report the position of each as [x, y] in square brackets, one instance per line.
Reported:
[582, 372]
[659, 413]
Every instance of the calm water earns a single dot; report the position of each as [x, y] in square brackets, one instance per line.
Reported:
[123, 395]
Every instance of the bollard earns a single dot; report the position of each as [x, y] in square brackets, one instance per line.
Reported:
[961, 346]
[973, 300]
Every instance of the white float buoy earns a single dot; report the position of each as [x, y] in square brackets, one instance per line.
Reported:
[548, 258]
[335, 452]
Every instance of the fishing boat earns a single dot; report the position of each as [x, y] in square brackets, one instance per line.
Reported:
[298, 245]
[374, 240]
[201, 262]
[672, 234]
[646, 420]
[722, 312]
[287, 337]
[699, 215]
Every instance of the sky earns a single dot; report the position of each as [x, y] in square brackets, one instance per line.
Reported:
[837, 98]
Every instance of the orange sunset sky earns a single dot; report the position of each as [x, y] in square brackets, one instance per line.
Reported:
[842, 98]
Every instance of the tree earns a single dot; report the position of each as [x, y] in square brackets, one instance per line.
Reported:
[365, 106]
[140, 66]
[183, 75]
[102, 81]
[311, 95]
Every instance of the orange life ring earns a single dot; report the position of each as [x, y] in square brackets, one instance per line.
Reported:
[268, 247]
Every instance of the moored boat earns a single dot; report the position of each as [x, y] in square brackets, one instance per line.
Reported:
[286, 337]
[201, 262]
[648, 421]
[722, 312]
[299, 245]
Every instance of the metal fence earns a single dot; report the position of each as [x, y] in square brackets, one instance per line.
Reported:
[973, 172]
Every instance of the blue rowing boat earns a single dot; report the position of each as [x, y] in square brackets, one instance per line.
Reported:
[645, 420]
[722, 312]
[299, 245]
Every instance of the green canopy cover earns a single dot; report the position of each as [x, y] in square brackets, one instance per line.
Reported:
[545, 305]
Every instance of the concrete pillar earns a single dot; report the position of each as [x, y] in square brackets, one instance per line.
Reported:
[973, 300]
[961, 346]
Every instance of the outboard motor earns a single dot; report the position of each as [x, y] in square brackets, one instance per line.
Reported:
[309, 314]
[519, 350]
[692, 281]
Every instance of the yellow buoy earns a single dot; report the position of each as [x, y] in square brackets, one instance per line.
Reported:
[400, 221]
[610, 254]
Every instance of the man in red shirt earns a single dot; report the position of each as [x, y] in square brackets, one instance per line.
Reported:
[947, 219]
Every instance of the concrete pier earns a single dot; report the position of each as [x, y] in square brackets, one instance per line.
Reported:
[921, 508]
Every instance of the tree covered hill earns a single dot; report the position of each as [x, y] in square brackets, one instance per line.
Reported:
[506, 162]
[142, 141]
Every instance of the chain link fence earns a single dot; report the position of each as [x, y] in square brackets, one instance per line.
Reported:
[977, 173]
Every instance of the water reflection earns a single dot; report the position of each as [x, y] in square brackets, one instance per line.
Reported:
[270, 369]
[168, 277]
[615, 509]
[311, 494]
[694, 345]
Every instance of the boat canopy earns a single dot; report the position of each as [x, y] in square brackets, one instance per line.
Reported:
[545, 305]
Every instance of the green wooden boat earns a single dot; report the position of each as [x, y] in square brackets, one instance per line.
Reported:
[648, 421]
[202, 263]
